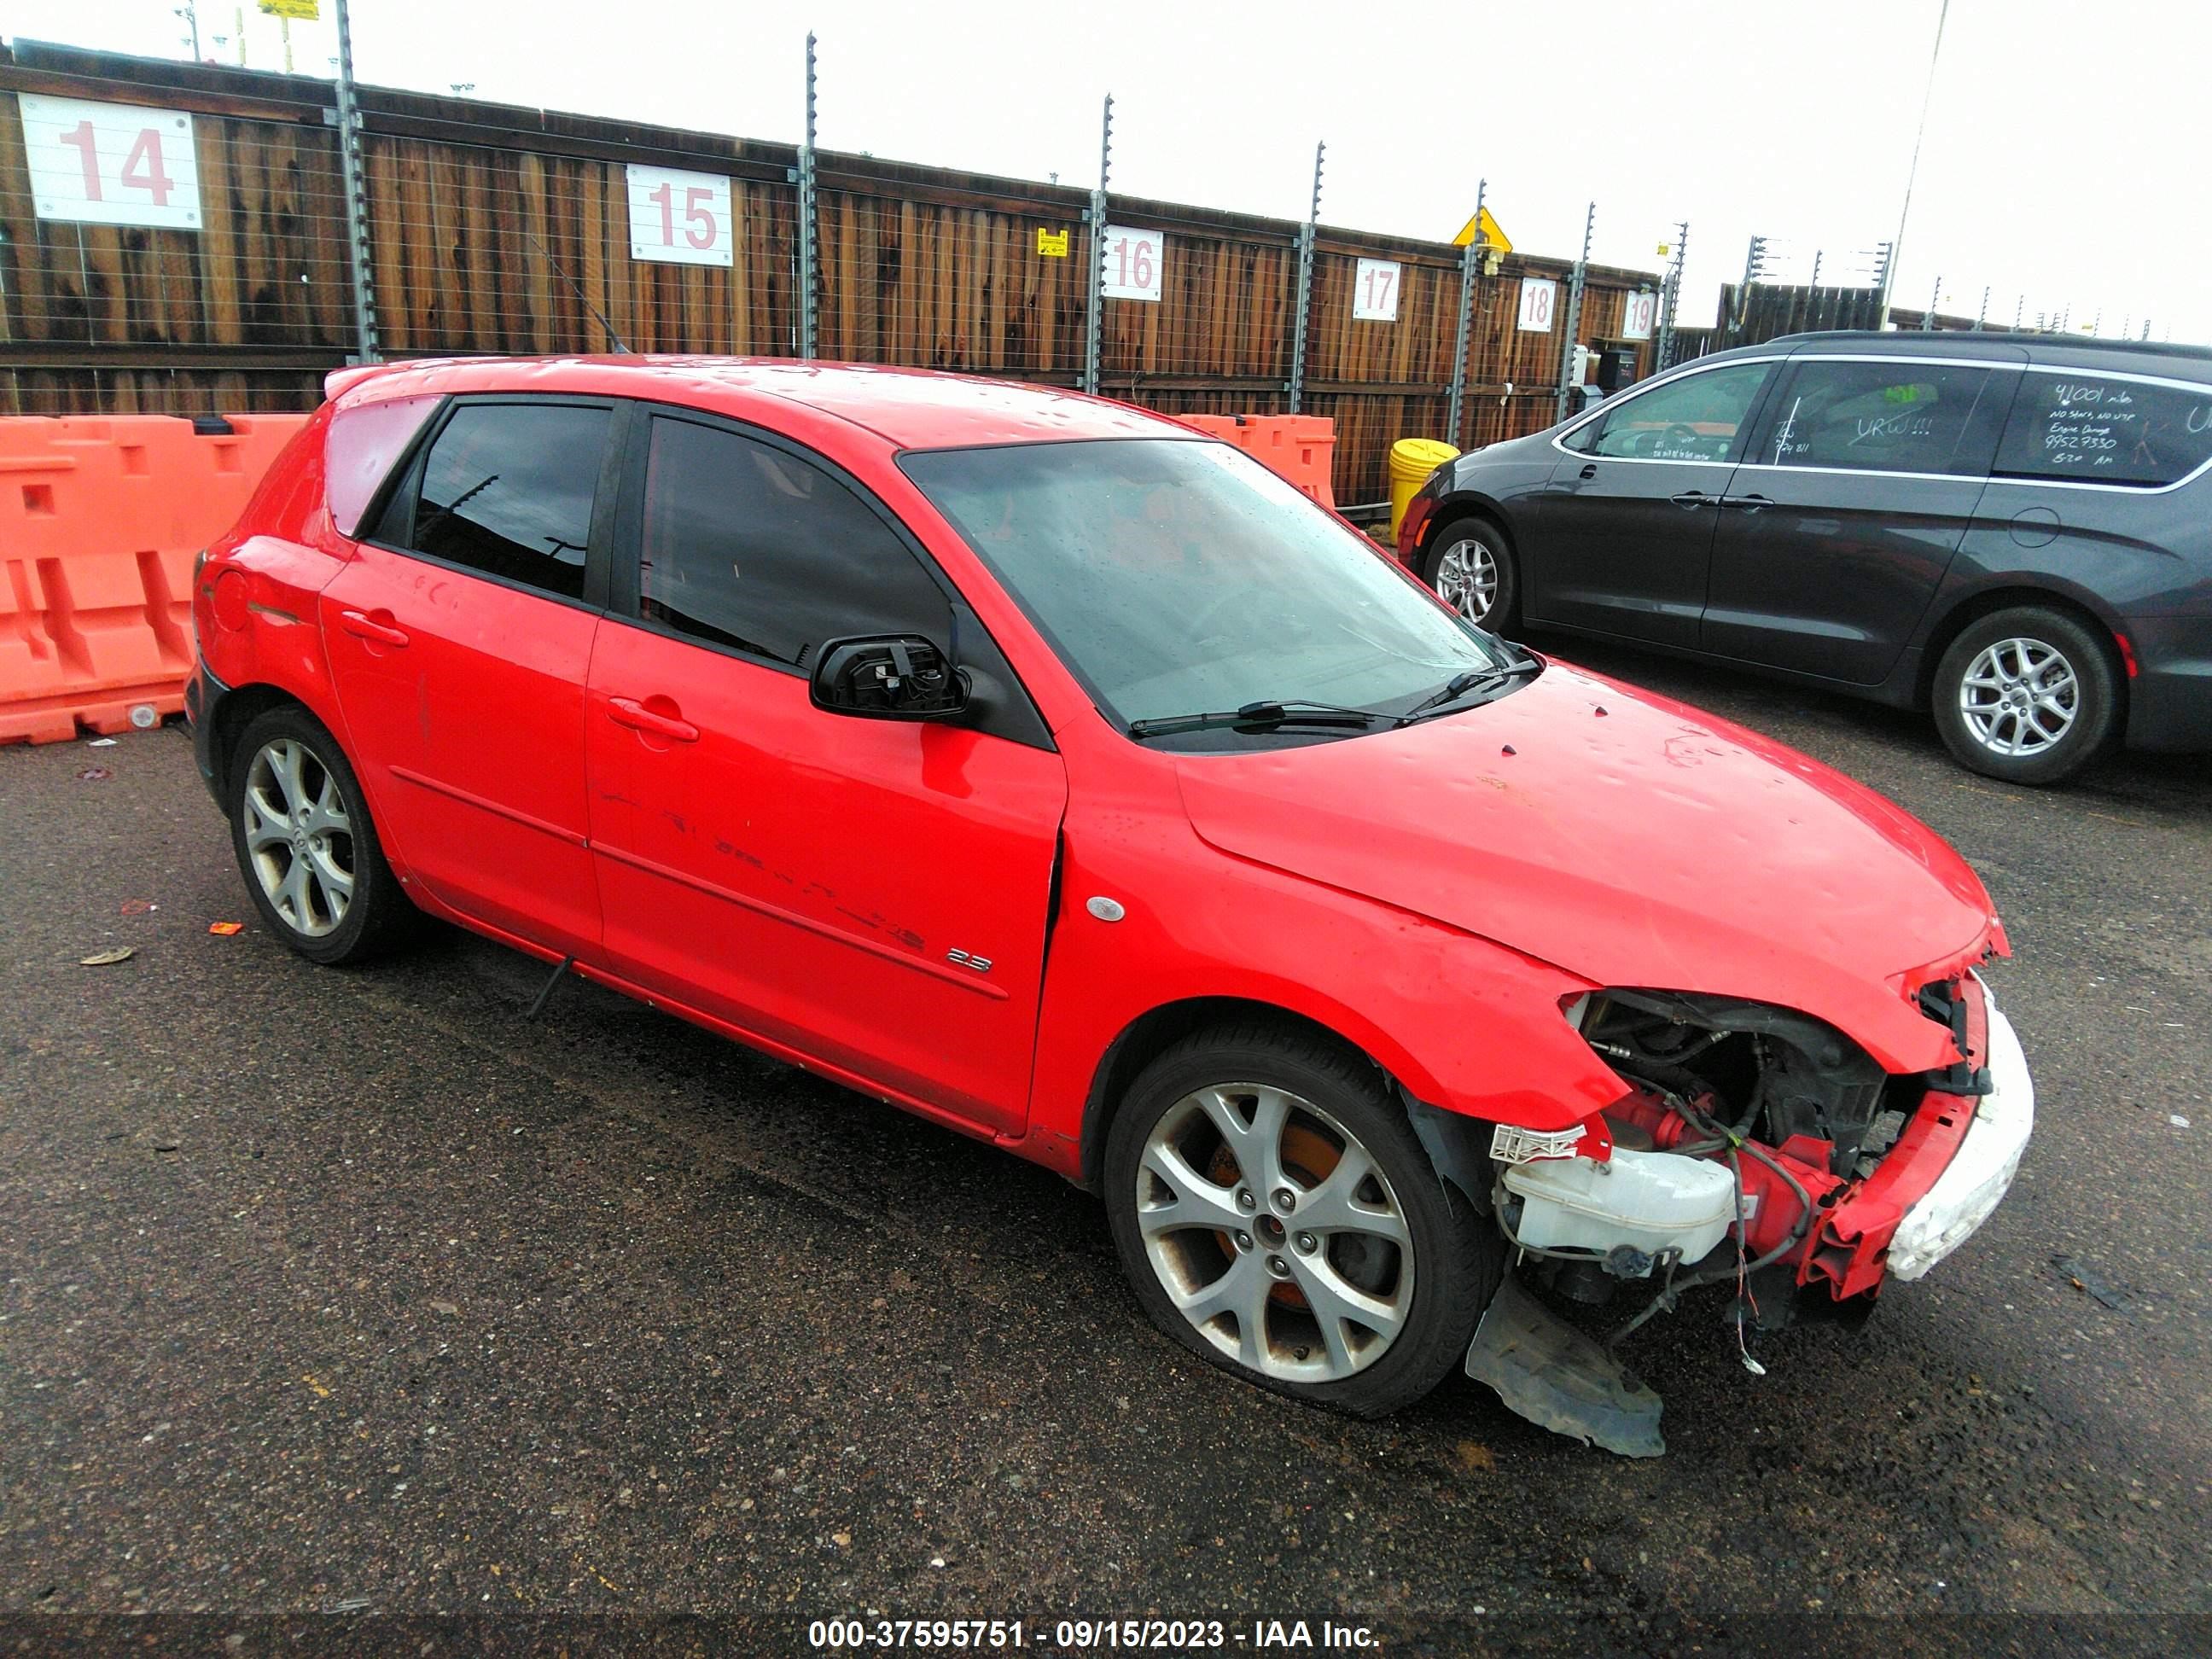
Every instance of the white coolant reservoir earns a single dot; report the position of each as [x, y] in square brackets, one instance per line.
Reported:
[1651, 1200]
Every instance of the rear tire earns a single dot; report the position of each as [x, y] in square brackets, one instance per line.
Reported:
[2028, 695]
[305, 844]
[1315, 1214]
[1470, 564]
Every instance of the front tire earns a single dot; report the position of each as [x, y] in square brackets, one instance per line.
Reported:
[1276, 1216]
[1470, 564]
[2028, 695]
[306, 845]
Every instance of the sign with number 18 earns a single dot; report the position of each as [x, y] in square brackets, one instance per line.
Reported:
[111, 164]
[679, 218]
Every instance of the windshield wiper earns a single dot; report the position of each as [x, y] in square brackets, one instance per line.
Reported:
[1268, 714]
[1475, 679]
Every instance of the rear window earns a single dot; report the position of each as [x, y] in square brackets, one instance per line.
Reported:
[2099, 428]
[1885, 417]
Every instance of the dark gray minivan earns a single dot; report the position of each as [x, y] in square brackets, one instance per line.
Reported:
[2014, 530]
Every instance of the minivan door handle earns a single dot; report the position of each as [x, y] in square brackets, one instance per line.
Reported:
[1749, 503]
[1590, 471]
[629, 711]
[377, 627]
[1693, 498]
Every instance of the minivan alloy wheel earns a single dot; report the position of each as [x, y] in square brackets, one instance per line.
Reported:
[2019, 696]
[1274, 1231]
[298, 836]
[1467, 577]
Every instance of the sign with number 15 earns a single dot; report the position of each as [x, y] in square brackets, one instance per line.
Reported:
[111, 164]
[679, 218]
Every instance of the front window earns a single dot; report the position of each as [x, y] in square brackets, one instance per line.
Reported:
[1695, 418]
[1179, 577]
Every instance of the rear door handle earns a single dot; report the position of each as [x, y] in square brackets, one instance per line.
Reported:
[1749, 503]
[377, 627]
[629, 711]
[1693, 498]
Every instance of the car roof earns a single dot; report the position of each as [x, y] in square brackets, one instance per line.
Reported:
[907, 408]
[2072, 347]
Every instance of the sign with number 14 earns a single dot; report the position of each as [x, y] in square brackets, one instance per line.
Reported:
[111, 164]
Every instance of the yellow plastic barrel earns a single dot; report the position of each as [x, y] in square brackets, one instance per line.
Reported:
[1411, 460]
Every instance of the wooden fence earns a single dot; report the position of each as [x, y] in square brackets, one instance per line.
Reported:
[498, 229]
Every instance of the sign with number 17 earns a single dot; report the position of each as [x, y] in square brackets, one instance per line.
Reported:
[1375, 291]
[679, 218]
[111, 164]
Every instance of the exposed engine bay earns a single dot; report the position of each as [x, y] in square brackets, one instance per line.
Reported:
[1755, 1148]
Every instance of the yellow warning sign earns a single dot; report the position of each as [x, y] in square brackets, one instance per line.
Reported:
[1483, 226]
[304, 11]
[1053, 244]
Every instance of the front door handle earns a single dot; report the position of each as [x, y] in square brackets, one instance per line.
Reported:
[1749, 503]
[629, 711]
[1590, 471]
[376, 625]
[1693, 498]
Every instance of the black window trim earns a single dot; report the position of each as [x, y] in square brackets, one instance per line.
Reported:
[1023, 722]
[407, 476]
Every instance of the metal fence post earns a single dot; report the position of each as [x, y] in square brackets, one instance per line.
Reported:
[809, 276]
[1670, 295]
[1470, 257]
[1097, 215]
[357, 206]
[1306, 286]
[1574, 315]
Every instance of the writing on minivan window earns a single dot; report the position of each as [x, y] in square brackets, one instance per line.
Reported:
[2107, 430]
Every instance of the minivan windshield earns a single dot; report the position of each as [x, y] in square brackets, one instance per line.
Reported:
[1180, 577]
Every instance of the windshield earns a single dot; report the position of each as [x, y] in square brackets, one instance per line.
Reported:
[1175, 578]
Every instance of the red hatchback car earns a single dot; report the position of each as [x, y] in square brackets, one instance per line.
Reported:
[1058, 773]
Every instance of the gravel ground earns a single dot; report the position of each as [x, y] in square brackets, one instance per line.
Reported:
[354, 1290]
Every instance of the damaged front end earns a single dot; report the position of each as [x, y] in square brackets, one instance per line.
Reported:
[1753, 1147]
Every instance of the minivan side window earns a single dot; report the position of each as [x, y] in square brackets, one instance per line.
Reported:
[1696, 418]
[507, 489]
[746, 545]
[1884, 416]
[2099, 428]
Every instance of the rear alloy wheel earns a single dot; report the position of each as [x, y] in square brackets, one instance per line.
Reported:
[305, 844]
[2030, 695]
[1277, 1216]
[1471, 568]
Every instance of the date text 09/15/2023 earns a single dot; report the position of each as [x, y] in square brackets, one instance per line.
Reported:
[1090, 1635]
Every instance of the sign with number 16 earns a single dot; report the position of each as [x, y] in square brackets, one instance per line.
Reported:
[111, 164]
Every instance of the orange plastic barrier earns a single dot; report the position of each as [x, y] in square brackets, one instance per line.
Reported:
[99, 519]
[1299, 447]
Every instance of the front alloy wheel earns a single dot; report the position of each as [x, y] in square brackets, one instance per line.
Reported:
[1471, 566]
[1275, 1232]
[1277, 1216]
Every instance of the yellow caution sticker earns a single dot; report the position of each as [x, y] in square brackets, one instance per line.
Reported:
[1053, 244]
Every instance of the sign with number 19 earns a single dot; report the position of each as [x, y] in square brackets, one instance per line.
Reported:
[111, 164]
[679, 218]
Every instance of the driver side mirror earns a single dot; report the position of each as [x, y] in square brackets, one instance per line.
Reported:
[888, 677]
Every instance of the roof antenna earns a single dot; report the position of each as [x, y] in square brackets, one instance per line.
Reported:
[621, 350]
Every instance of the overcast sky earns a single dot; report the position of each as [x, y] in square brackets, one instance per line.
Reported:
[2062, 168]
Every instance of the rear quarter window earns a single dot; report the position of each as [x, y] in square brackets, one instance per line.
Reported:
[2101, 428]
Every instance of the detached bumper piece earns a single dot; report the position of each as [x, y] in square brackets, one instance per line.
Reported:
[1980, 1173]
[1549, 1372]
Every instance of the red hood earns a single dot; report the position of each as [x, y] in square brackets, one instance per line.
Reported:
[1628, 839]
